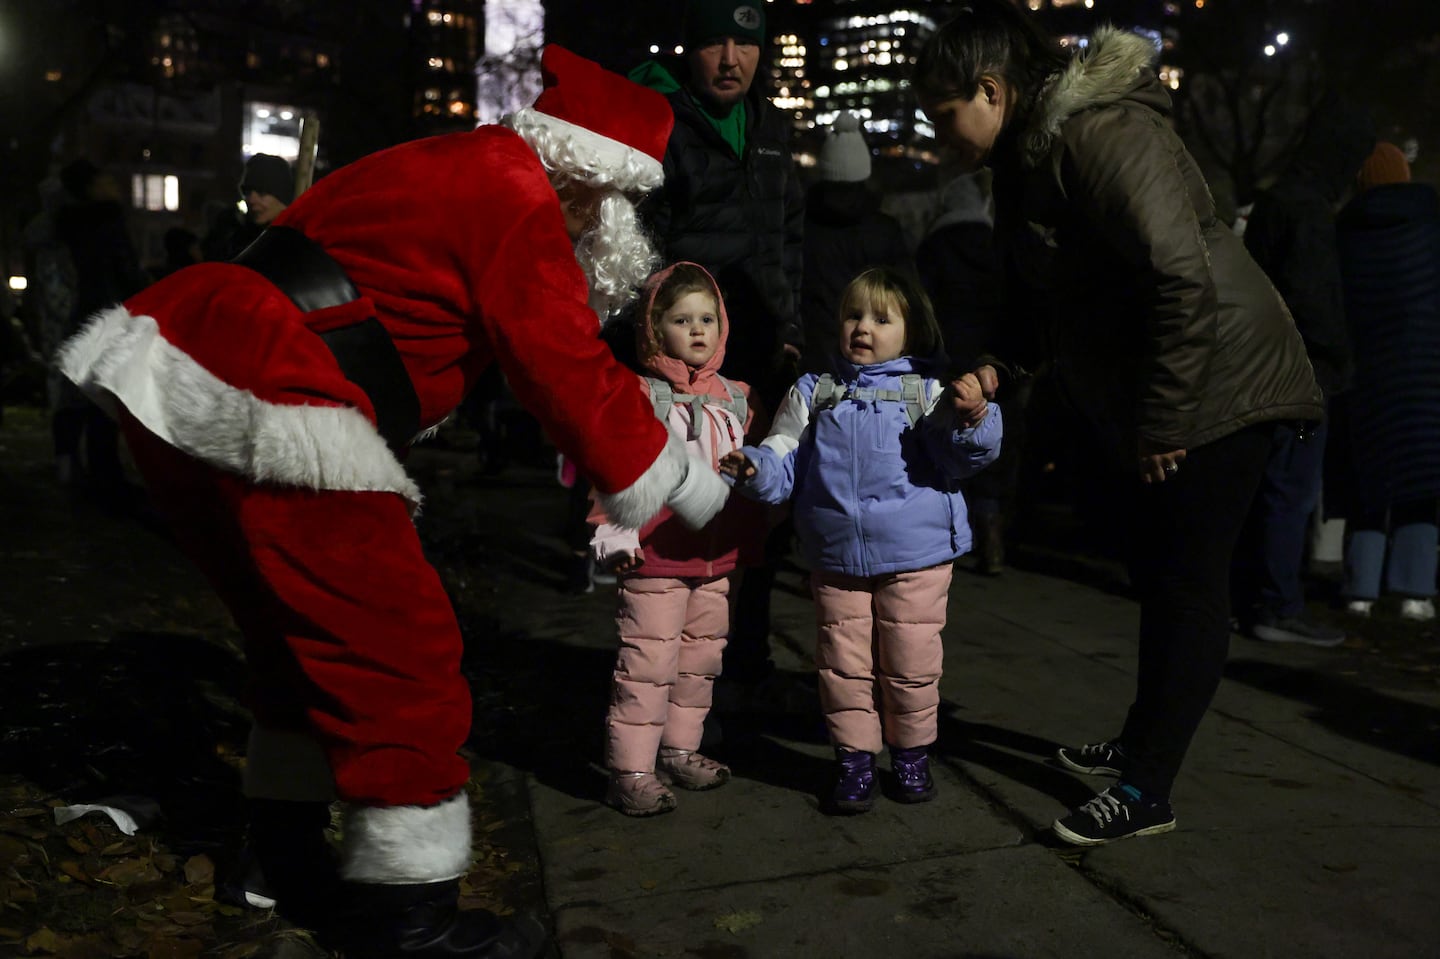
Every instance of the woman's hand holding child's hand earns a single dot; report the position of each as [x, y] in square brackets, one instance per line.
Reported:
[625, 561]
[736, 465]
[968, 398]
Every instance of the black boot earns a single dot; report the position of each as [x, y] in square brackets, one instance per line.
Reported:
[300, 868]
[423, 921]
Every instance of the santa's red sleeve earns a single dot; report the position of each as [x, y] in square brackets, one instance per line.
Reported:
[546, 339]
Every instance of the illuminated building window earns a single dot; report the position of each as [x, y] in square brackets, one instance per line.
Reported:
[155, 192]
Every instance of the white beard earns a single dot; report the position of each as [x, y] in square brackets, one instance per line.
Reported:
[616, 256]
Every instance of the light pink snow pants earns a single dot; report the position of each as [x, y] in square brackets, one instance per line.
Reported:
[879, 638]
[672, 632]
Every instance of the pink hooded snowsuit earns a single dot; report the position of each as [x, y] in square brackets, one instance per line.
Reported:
[674, 613]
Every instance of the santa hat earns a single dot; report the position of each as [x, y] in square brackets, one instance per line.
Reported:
[595, 125]
[844, 156]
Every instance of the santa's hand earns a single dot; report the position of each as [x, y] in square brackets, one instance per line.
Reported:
[736, 465]
[700, 495]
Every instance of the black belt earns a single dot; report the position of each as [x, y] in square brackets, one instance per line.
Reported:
[305, 273]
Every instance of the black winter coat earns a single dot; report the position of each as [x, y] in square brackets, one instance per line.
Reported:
[107, 268]
[742, 219]
[845, 234]
[960, 268]
[1389, 245]
[1291, 234]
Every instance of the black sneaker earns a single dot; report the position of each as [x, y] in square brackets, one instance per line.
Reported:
[1114, 814]
[1297, 629]
[1096, 759]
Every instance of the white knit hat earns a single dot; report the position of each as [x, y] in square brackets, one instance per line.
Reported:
[845, 157]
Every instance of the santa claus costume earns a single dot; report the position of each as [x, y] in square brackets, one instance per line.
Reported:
[265, 402]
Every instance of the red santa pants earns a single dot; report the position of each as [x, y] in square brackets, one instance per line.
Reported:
[672, 634]
[349, 636]
[881, 635]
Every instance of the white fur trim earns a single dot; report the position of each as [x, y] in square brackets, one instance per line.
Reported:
[699, 496]
[634, 505]
[282, 764]
[123, 356]
[572, 149]
[406, 844]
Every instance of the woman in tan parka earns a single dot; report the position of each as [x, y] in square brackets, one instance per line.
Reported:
[1160, 329]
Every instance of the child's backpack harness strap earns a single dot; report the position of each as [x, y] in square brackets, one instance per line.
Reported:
[663, 397]
[829, 393]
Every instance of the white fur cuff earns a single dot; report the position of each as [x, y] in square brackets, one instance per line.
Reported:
[406, 844]
[699, 497]
[633, 506]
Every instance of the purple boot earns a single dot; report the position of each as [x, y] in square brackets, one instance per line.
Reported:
[912, 774]
[855, 789]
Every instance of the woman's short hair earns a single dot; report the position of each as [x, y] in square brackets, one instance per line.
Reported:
[986, 38]
[880, 283]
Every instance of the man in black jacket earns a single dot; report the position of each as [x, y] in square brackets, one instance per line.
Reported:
[732, 203]
[731, 200]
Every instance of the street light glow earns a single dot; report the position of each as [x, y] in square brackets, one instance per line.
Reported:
[1282, 38]
[1269, 49]
[18, 283]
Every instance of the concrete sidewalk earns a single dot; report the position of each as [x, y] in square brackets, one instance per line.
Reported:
[1308, 810]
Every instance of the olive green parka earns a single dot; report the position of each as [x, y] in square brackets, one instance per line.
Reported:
[1157, 322]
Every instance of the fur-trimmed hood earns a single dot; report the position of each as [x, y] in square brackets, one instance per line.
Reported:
[1115, 65]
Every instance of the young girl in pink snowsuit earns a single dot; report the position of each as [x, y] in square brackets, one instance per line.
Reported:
[674, 588]
[872, 455]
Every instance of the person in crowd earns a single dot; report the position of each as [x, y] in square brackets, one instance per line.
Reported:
[1291, 234]
[1389, 243]
[733, 203]
[845, 234]
[675, 582]
[182, 249]
[106, 269]
[267, 185]
[1161, 331]
[960, 270]
[269, 422]
[873, 456]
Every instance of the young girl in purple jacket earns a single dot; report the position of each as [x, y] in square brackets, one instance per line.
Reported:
[873, 456]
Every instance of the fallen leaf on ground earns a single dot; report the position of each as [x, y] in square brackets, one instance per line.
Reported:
[737, 922]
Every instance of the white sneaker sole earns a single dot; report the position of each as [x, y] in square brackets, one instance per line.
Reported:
[1271, 635]
[1087, 770]
[1075, 839]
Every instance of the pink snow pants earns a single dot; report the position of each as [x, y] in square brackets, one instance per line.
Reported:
[672, 632]
[879, 639]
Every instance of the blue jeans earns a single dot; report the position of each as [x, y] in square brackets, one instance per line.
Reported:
[1266, 573]
[1412, 543]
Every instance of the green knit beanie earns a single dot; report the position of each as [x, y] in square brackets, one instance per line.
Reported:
[707, 20]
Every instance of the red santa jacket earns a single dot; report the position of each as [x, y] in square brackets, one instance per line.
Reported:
[458, 246]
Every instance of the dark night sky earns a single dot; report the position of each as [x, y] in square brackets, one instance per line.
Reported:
[615, 33]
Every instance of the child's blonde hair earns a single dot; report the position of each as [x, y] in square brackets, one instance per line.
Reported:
[881, 283]
[682, 280]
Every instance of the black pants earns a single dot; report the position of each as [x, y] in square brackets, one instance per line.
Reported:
[1185, 531]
